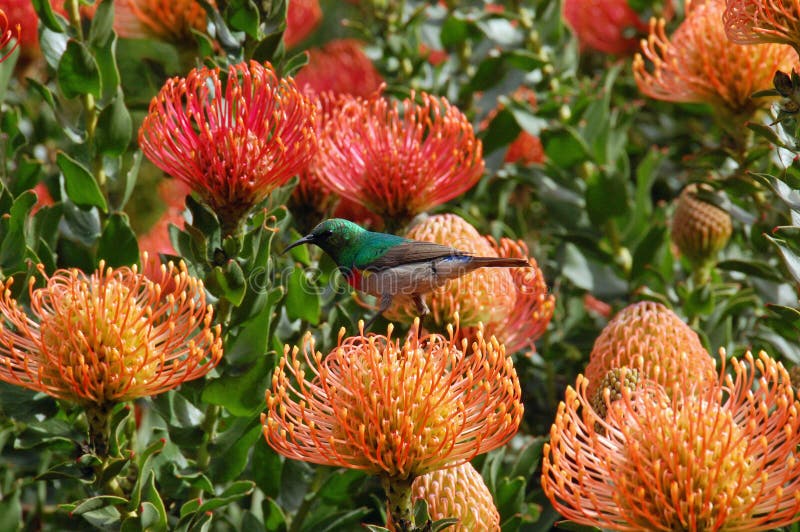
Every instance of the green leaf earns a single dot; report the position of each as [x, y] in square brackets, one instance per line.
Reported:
[235, 491]
[10, 511]
[302, 298]
[114, 127]
[274, 518]
[232, 449]
[95, 503]
[228, 282]
[81, 186]
[790, 259]
[455, 30]
[242, 394]
[45, 13]
[243, 15]
[500, 132]
[267, 473]
[118, 245]
[606, 196]
[78, 72]
[755, 268]
[154, 514]
[102, 23]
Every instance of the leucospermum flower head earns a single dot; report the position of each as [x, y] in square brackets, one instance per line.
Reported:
[609, 26]
[649, 337]
[302, 17]
[340, 67]
[699, 229]
[458, 492]
[763, 21]
[391, 407]
[399, 159]
[108, 337]
[718, 457]
[169, 20]
[699, 64]
[232, 142]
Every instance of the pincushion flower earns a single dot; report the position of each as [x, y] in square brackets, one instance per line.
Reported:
[649, 337]
[340, 67]
[231, 144]
[698, 64]
[533, 307]
[399, 159]
[699, 229]
[391, 407]
[458, 492]
[169, 20]
[302, 17]
[763, 21]
[609, 26]
[716, 457]
[108, 337]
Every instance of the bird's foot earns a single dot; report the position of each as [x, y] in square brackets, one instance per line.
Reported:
[422, 308]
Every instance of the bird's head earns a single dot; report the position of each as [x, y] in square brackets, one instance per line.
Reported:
[333, 236]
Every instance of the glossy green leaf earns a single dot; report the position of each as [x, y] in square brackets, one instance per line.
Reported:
[81, 186]
[78, 72]
[267, 468]
[243, 15]
[114, 127]
[302, 298]
[10, 511]
[102, 23]
[242, 393]
[44, 10]
[118, 245]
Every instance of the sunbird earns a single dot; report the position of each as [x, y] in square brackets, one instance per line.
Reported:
[389, 267]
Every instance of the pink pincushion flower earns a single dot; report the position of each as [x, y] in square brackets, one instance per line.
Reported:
[233, 143]
[399, 158]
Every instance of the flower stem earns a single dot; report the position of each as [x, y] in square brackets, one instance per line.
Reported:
[209, 427]
[398, 497]
[98, 417]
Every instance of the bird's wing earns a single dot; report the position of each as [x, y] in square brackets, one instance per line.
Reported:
[408, 251]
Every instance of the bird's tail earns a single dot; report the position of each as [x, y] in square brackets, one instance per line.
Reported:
[498, 262]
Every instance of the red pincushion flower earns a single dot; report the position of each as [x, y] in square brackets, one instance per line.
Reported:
[399, 159]
[19, 20]
[340, 67]
[231, 144]
[302, 17]
[609, 26]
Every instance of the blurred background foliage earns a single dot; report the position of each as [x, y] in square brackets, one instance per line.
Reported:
[592, 195]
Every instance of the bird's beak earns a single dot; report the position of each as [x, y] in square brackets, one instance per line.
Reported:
[305, 240]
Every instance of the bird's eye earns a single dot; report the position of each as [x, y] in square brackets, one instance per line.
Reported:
[329, 232]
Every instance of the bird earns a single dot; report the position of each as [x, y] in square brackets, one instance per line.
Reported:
[390, 267]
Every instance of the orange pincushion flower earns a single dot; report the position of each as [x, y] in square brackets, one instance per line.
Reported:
[399, 159]
[609, 26]
[170, 20]
[394, 408]
[302, 17]
[108, 337]
[649, 337]
[231, 144]
[698, 64]
[458, 492]
[718, 457]
[763, 21]
[485, 295]
[533, 306]
[340, 67]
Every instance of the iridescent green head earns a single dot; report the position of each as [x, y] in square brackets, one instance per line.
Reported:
[334, 236]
